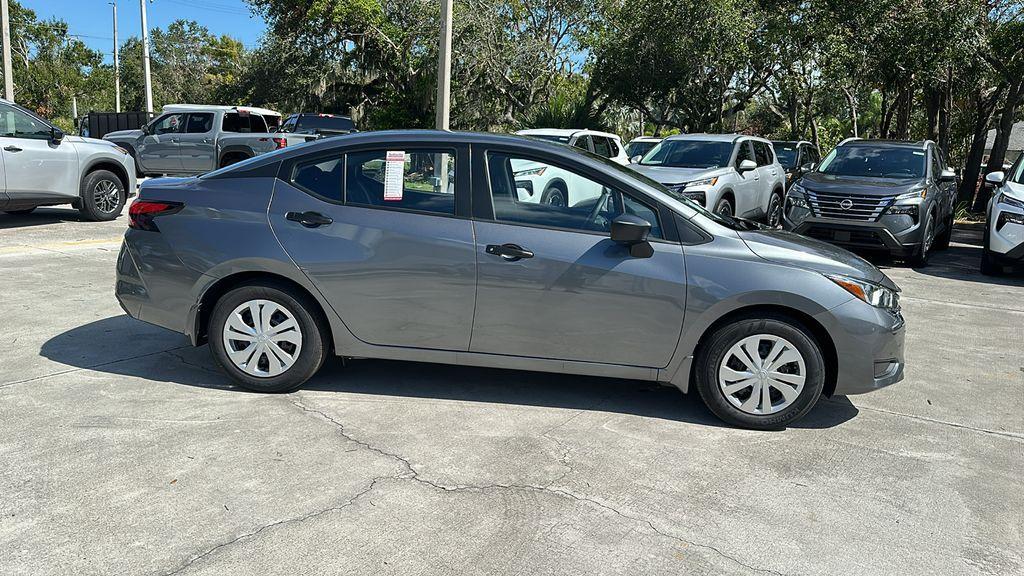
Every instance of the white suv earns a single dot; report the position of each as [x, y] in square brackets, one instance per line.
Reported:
[731, 174]
[1004, 227]
[546, 184]
[43, 167]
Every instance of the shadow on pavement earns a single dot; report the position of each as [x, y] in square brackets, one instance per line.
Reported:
[40, 217]
[98, 346]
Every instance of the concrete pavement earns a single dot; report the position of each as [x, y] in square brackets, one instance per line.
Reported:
[125, 451]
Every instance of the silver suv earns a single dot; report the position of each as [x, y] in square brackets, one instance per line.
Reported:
[729, 174]
[44, 167]
[414, 245]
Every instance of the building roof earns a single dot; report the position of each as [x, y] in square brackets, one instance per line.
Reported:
[1016, 138]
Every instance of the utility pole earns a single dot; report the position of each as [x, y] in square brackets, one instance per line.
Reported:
[117, 65]
[5, 15]
[145, 58]
[444, 67]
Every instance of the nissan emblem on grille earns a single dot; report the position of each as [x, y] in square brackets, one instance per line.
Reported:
[846, 204]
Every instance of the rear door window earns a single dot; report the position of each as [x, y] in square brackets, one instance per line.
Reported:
[417, 180]
[199, 123]
[324, 177]
[583, 143]
[601, 147]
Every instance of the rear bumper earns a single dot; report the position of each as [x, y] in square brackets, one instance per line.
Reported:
[164, 294]
[869, 346]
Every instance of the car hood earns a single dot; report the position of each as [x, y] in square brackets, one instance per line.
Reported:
[83, 141]
[123, 134]
[803, 252]
[833, 184]
[673, 175]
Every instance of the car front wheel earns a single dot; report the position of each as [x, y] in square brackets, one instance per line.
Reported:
[103, 196]
[724, 207]
[773, 218]
[267, 338]
[761, 373]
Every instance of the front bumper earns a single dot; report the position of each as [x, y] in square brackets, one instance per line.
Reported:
[869, 345]
[1007, 241]
[890, 234]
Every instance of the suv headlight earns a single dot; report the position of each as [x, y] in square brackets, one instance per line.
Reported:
[875, 294]
[1009, 201]
[914, 195]
[531, 172]
[708, 182]
[797, 197]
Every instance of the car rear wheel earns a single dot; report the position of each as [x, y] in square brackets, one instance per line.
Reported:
[103, 196]
[943, 239]
[556, 195]
[761, 373]
[724, 207]
[267, 338]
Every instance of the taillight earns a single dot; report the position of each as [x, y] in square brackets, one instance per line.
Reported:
[280, 142]
[142, 212]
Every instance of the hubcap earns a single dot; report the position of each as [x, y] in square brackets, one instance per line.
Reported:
[762, 374]
[775, 212]
[929, 236]
[725, 209]
[106, 196]
[262, 338]
[556, 199]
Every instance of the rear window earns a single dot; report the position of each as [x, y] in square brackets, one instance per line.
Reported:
[787, 154]
[313, 123]
[244, 122]
[875, 162]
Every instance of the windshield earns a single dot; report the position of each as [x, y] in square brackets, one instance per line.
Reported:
[874, 162]
[787, 154]
[312, 123]
[689, 154]
[639, 148]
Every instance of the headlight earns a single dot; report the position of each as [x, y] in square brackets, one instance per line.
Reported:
[910, 210]
[922, 193]
[1009, 201]
[797, 197]
[121, 150]
[531, 171]
[874, 294]
[699, 183]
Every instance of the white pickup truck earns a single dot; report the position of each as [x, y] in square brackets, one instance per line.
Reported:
[190, 139]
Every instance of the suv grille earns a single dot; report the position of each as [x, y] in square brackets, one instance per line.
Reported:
[848, 206]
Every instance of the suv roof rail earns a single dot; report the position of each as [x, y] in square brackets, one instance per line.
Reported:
[851, 139]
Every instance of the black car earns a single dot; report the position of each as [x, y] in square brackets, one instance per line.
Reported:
[886, 195]
[797, 157]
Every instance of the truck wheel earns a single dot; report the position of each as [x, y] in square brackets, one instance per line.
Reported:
[102, 196]
[230, 159]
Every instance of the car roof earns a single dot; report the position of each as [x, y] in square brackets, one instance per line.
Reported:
[567, 132]
[793, 142]
[713, 137]
[886, 143]
[215, 107]
[647, 139]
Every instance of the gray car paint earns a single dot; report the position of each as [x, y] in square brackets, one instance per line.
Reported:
[228, 229]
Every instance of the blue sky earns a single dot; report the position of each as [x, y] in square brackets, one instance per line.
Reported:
[92, 20]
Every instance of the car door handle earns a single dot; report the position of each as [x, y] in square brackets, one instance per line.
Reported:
[12, 148]
[510, 252]
[309, 219]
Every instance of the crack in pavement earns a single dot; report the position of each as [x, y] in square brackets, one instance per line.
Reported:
[415, 476]
[298, 519]
[91, 366]
[1011, 435]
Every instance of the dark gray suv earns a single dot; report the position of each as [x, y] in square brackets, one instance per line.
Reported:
[417, 245]
[881, 195]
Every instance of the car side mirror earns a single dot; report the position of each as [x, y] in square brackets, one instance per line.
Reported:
[947, 175]
[636, 159]
[56, 135]
[747, 166]
[995, 177]
[632, 231]
[809, 167]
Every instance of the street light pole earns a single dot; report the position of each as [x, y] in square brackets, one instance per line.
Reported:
[5, 15]
[444, 67]
[117, 65]
[145, 58]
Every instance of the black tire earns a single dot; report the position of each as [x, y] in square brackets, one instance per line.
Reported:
[724, 207]
[556, 195]
[102, 196]
[230, 159]
[943, 239]
[990, 266]
[20, 212]
[918, 258]
[310, 357]
[713, 352]
[773, 217]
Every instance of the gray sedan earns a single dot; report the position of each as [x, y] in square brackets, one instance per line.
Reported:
[421, 245]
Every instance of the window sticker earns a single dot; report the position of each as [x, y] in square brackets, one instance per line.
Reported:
[394, 174]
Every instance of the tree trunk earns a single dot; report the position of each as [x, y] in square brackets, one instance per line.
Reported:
[932, 102]
[852, 102]
[947, 99]
[983, 110]
[904, 104]
[997, 157]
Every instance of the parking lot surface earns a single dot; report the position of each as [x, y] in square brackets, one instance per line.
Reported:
[125, 451]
